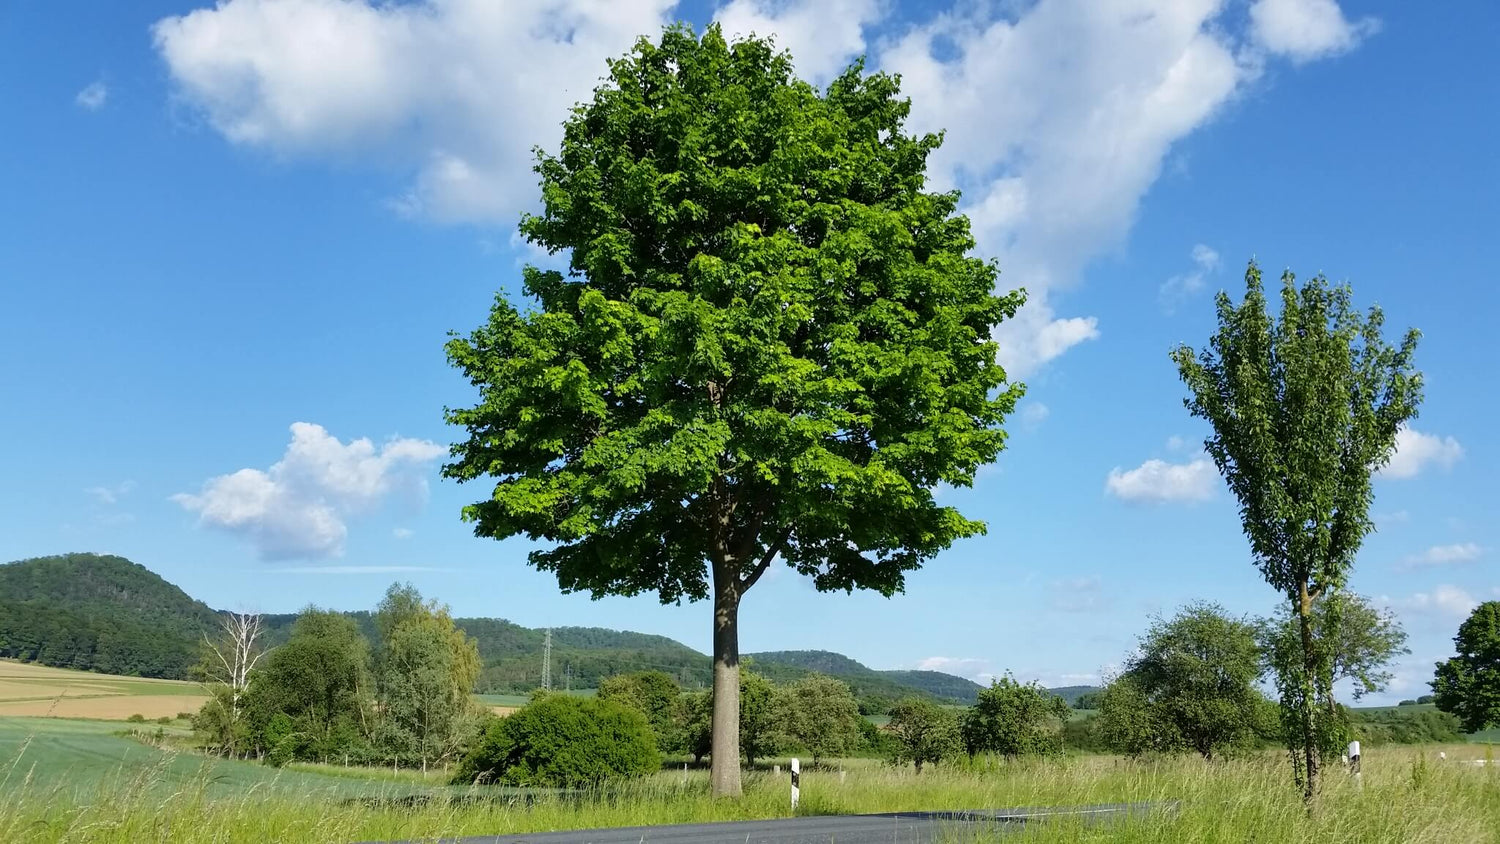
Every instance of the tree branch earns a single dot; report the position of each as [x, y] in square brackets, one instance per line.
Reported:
[765, 560]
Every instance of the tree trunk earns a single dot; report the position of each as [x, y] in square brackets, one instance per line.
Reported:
[725, 755]
[1309, 695]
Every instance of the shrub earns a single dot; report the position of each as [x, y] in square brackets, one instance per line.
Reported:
[137, 718]
[565, 742]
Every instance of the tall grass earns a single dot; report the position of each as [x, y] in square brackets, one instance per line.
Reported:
[1405, 795]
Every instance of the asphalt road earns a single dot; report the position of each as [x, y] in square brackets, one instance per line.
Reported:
[893, 828]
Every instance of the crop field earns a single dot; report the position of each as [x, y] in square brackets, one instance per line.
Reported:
[37, 690]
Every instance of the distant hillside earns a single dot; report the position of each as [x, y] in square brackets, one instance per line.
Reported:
[889, 686]
[99, 613]
[107, 614]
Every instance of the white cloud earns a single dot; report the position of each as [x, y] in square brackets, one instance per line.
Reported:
[1033, 414]
[1176, 443]
[1416, 450]
[1444, 601]
[970, 667]
[92, 97]
[1443, 555]
[299, 507]
[111, 494]
[402, 533]
[1058, 122]
[1059, 114]
[459, 90]
[823, 36]
[1306, 29]
[1179, 288]
[1157, 481]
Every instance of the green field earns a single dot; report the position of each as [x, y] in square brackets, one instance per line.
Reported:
[70, 781]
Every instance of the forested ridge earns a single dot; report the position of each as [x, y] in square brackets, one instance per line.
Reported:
[100, 612]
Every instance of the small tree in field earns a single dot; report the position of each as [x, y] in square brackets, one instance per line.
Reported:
[924, 732]
[1468, 685]
[821, 715]
[1014, 719]
[771, 343]
[1195, 674]
[1304, 410]
[1358, 640]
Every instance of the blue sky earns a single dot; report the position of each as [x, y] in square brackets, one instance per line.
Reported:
[220, 222]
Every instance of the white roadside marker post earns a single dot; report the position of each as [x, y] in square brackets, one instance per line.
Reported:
[796, 783]
[1354, 762]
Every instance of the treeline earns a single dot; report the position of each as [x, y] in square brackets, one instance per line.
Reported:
[329, 693]
[63, 638]
[564, 741]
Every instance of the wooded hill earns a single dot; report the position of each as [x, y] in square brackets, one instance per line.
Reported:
[105, 613]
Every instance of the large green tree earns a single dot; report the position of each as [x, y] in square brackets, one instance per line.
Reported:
[1468, 685]
[1304, 408]
[770, 342]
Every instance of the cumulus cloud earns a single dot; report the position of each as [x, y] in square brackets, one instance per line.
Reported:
[822, 36]
[92, 97]
[1157, 481]
[1416, 451]
[1058, 113]
[299, 508]
[1445, 555]
[458, 90]
[1305, 30]
[1444, 601]
[1175, 290]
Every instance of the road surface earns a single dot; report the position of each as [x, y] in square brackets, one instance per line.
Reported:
[892, 828]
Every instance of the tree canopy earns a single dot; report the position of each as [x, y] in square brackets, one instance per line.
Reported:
[1304, 408]
[1191, 684]
[770, 342]
[924, 732]
[1468, 685]
[1014, 719]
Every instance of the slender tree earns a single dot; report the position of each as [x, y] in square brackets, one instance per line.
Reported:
[1360, 641]
[770, 342]
[1468, 685]
[232, 658]
[1304, 409]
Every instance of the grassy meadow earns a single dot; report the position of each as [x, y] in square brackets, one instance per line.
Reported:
[65, 781]
[93, 778]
